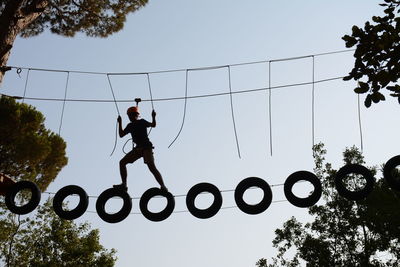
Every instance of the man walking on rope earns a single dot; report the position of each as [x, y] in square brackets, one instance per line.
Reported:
[144, 148]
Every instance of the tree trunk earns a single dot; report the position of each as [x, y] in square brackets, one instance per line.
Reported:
[16, 16]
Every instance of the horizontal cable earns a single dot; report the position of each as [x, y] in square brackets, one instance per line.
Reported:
[180, 97]
[179, 70]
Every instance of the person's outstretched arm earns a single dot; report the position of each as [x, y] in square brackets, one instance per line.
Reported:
[153, 122]
[120, 131]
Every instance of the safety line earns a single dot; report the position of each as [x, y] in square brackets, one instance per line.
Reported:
[151, 100]
[269, 106]
[178, 70]
[63, 106]
[313, 103]
[119, 115]
[151, 95]
[113, 95]
[26, 85]
[184, 110]
[179, 98]
[232, 111]
[359, 121]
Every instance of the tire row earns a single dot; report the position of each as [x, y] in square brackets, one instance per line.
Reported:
[390, 174]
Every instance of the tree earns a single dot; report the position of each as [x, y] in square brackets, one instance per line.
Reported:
[343, 233]
[28, 151]
[48, 240]
[65, 17]
[377, 54]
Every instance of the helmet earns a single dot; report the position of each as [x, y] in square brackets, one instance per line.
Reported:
[132, 110]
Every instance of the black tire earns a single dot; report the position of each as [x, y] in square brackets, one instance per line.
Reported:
[78, 210]
[357, 169]
[28, 207]
[256, 208]
[195, 191]
[158, 216]
[122, 213]
[307, 201]
[388, 175]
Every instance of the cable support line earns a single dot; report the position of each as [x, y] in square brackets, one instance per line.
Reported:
[151, 94]
[359, 121]
[179, 70]
[232, 111]
[63, 106]
[313, 103]
[270, 106]
[116, 106]
[113, 95]
[184, 110]
[181, 97]
[151, 97]
[26, 85]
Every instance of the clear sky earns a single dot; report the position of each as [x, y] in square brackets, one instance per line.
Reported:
[188, 34]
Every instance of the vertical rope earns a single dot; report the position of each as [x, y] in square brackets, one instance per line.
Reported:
[116, 106]
[313, 103]
[63, 106]
[26, 85]
[184, 110]
[113, 95]
[151, 97]
[232, 112]
[359, 121]
[269, 106]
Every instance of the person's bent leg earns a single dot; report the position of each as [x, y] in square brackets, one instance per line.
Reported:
[129, 158]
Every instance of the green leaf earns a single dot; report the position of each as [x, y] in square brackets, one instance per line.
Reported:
[368, 101]
[347, 78]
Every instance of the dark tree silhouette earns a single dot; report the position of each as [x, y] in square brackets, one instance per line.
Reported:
[377, 55]
[65, 17]
[48, 240]
[343, 232]
[28, 151]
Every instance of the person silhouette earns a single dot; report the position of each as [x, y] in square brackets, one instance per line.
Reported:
[142, 148]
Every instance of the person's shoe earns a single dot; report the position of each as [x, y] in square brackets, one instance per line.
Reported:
[121, 187]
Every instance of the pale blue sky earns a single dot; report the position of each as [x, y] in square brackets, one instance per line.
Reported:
[188, 34]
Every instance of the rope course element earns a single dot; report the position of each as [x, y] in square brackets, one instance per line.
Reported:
[270, 106]
[184, 109]
[232, 111]
[184, 195]
[181, 97]
[313, 103]
[116, 106]
[179, 70]
[26, 85]
[151, 97]
[113, 95]
[63, 106]
[359, 121]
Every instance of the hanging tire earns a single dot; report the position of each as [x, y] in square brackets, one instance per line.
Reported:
[32, 203]
[122, 213]
[356, 169]
[298, 201]
[156, 216]
[66, 191]
[390, 165]
[255, 208]
[198, 189]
